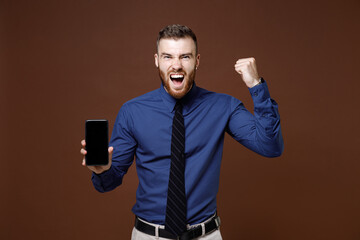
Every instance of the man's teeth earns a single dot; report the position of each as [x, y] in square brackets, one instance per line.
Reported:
[177, 76]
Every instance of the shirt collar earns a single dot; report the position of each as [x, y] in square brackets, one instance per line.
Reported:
[187, 101]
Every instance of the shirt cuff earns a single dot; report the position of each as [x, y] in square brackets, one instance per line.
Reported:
[260, 92]
[104, 177]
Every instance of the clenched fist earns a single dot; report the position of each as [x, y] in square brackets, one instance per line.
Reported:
[246, 67]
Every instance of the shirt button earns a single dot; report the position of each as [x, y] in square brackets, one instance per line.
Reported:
[255, 94]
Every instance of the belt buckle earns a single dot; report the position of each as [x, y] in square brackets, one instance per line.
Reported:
[217, 222]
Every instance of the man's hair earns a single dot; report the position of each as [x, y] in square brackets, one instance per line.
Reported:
[176, 31]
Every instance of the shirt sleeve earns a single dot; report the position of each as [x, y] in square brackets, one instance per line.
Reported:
[260, 132]
[124, 145]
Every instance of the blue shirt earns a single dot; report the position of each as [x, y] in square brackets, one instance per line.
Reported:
[143, 128]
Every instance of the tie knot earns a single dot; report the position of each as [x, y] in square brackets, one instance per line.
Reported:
[178, 106]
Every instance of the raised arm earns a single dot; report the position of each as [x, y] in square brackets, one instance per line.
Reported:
[260, 132]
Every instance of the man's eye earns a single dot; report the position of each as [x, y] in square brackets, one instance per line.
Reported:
[186, 57]
[166, 57]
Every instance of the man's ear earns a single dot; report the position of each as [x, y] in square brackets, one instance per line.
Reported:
[197, 61]
[156, 60]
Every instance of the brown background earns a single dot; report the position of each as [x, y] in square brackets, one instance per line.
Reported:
[66, 61]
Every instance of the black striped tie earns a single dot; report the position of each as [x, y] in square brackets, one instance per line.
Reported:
[175, 221]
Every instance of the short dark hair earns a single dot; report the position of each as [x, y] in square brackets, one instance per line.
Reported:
[176, 31]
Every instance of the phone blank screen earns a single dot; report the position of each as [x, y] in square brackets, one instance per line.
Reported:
[96, 137]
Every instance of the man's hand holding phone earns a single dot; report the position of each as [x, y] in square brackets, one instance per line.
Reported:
[95, 147]
[96, 169]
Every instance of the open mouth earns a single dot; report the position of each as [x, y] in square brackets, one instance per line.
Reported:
[177, 78]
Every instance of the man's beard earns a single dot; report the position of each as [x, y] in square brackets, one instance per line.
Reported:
[188, 84]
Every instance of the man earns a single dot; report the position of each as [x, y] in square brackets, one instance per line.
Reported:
[176, 133]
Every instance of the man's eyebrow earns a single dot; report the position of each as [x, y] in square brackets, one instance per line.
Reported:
[184, 54]
[167, 54]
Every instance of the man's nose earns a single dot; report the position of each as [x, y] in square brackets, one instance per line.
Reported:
[176, 64]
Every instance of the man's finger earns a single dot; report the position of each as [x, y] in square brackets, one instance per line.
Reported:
[243, 64]
[245, 67]
[83, 151]
[111, 149]
[237, 69]
[83, 143]
[250, 59]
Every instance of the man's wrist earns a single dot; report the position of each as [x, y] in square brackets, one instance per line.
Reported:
[101, 172]
[260, 81]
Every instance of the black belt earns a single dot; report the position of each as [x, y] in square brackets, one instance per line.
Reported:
[192, 233]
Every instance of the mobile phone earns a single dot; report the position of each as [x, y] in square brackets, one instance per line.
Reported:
[97, 142]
